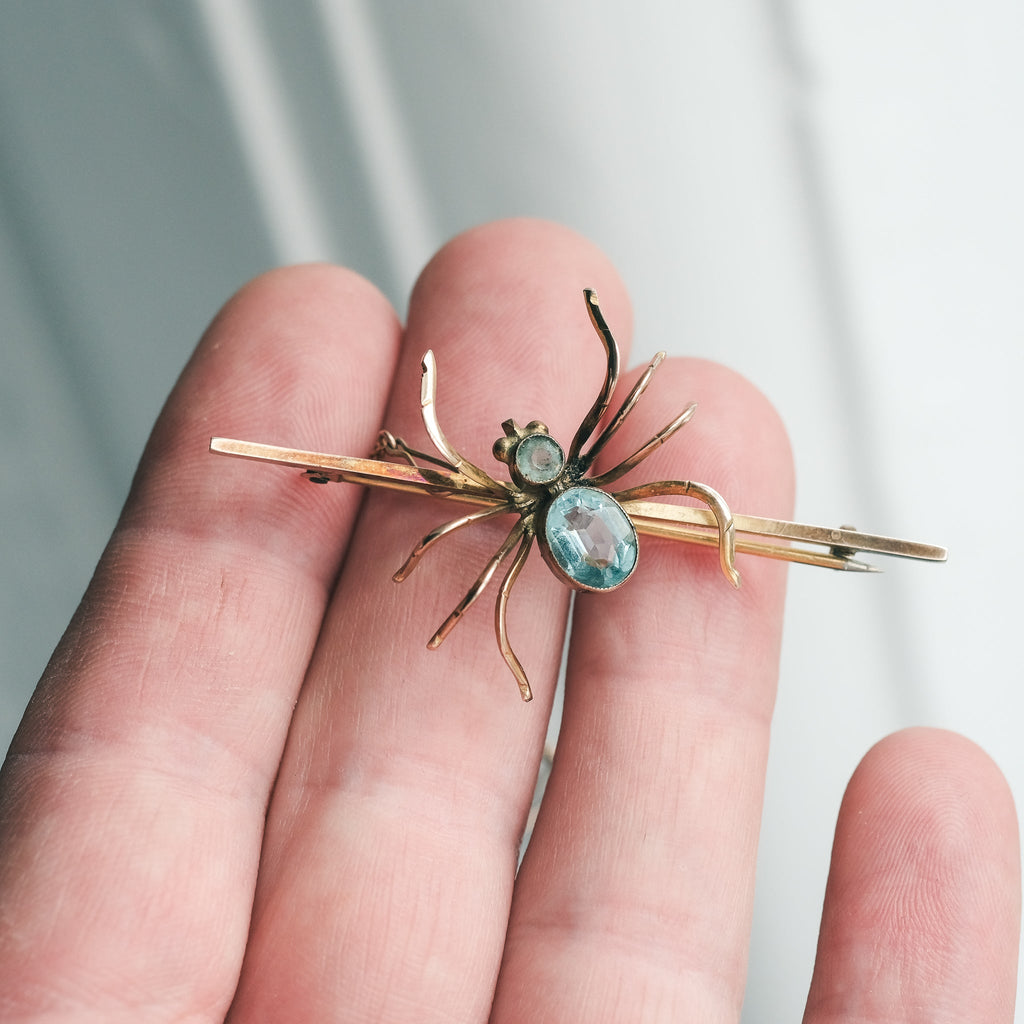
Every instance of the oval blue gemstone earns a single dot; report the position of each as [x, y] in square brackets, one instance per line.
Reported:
[589, 539]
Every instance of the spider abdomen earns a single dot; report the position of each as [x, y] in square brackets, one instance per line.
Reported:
[587, 539]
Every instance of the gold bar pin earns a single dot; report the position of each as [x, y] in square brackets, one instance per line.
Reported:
[586, 533]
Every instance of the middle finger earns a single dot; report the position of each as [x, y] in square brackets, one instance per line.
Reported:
[392, 839]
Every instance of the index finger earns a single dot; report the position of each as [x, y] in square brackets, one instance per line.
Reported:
[134, 796]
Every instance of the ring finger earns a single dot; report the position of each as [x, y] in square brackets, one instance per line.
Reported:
[635, 895]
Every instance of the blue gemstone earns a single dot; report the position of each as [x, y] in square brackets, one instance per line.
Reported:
[589, 539]
[539, 458]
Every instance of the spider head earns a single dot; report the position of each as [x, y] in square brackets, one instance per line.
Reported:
[534, 458]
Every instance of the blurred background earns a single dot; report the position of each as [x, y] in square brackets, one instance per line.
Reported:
[825, 196]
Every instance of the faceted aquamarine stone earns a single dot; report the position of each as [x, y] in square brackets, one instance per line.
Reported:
[590, 539]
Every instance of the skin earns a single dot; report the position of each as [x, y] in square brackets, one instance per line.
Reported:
[245, 790]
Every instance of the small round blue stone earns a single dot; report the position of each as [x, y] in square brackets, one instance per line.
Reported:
[539, 458]
[590, 539]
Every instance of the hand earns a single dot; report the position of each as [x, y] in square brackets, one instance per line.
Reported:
[246, 788]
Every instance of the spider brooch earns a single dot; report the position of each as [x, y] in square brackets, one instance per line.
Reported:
[583, 532]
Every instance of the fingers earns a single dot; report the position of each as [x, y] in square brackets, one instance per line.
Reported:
[135, 791]
[393, 834]
[922, 908]
[634, 899]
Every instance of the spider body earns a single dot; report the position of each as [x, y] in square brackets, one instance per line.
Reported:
[584, 533]
[588, 539]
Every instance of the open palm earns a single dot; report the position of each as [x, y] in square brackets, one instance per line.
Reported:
[246, 790]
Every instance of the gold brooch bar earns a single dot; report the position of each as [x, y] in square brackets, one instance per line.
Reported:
[835, 547]
[586, 532]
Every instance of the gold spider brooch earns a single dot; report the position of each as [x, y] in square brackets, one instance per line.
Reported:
[586, 534]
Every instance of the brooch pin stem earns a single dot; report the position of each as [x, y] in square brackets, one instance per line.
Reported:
[587, 535]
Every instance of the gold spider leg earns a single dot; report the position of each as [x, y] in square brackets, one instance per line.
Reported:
[390, 447]
[587, 459]
[641, 453]
[428, 396]
[522, 526]
[442, 531]
[500, 616]
[711, 498]
[600, 406]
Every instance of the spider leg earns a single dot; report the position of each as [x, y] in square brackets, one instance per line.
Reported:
[390, 447]
[482, 580]
[500, 612]
[714, 501]
[641, 453]
[442, 531]
[597, 410]
[587, 460]
[428, 397]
